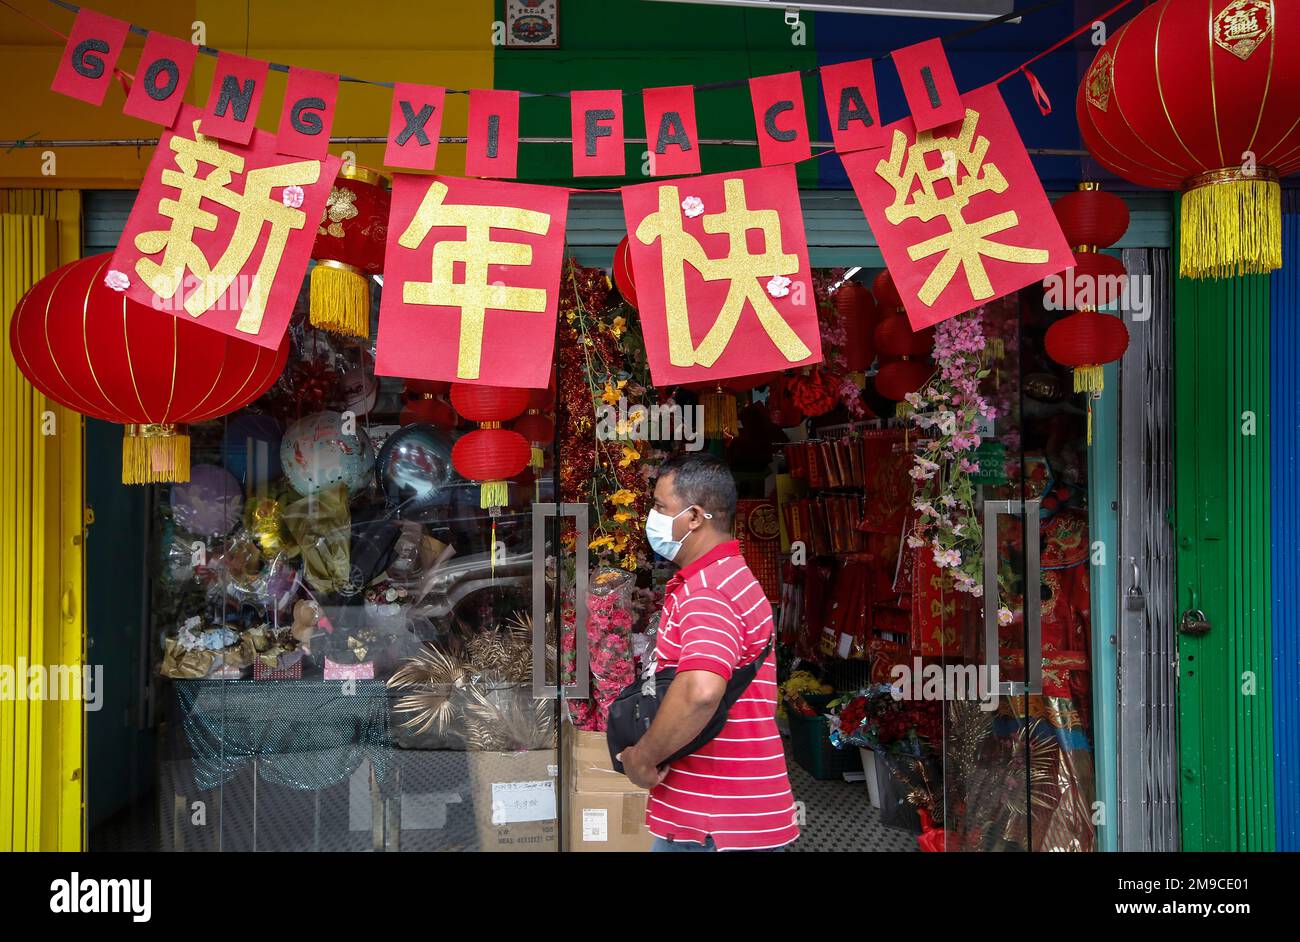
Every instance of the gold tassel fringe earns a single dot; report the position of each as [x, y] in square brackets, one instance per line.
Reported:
[1089, 378]
[720, 418]
[155, 454]
[340, 299]
[494, 494]
[538, 459]
[1231, 226]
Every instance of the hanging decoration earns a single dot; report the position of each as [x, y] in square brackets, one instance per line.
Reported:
[1199, 96]
[857, 312]
[98, 352]
[349, 249]
[623, 277]
[539, 430]
[904, 355]
[490, 454]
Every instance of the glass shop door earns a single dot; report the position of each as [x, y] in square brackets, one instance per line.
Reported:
[1016, 763]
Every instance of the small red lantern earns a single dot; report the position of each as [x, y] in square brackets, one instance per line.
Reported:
[349, 249]
[887, 297]
[429, 409]
[857, 310]
[95, 351]
[1092, 218]
[895, 338]
[895, 380]
[539, 430]
[490, 454]
[1085, 340]
[623, 278]
[781, 406]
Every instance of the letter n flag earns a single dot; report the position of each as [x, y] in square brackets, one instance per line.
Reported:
[960, 215]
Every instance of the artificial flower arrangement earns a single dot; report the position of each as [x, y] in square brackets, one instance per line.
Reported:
[609, 637]
[874, 718]
[818, 389]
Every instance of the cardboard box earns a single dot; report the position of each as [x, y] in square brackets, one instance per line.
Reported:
[587, 764]
[515, 800]
[608, 822]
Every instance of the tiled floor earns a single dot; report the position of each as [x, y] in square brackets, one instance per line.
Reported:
[838, 817]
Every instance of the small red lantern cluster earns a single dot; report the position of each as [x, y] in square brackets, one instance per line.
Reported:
[490, 454]
[904, 353]
[349, 248]
[1086, 339]
[92, 349]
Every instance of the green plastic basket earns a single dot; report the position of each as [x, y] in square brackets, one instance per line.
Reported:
[811, 747]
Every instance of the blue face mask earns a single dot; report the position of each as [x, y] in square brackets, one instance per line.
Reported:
[659, 533]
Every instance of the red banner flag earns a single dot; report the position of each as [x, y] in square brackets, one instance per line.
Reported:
[307, 115]
[596, 119]
[928, 85]
[222, 233]
[414, 125]
[780, 118]
[472, 275]
[748, 311]
[86, 68]
[161, 78]
[493, 134]
[960, 220]
[851, 105]
[670, 132]
[237, 88]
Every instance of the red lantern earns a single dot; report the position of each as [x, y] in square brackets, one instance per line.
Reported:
[895, 380]
[426, 387]
[1091, 218]
[429, 409]
[623, 279]
[1085, 340]
[490, 454]
[887, 297]
[92, 349]
[895, 338]
[781, 406]
[1199, 96]
[349, 248]
[857, 311]
[539, 430]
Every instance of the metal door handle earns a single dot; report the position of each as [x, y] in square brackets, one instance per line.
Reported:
[1033, 683]
[580, 689]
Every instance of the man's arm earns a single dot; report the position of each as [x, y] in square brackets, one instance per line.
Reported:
[689, 704]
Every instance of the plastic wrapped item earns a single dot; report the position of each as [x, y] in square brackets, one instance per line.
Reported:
[609, 636]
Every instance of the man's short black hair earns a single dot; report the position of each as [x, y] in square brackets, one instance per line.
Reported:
[703, 480]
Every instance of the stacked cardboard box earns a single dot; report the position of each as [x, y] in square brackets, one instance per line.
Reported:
[514, 799]
[606, 811]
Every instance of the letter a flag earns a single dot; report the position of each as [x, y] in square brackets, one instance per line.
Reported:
[471, 281]
[222, 232]
[960, 215]
[723, 283]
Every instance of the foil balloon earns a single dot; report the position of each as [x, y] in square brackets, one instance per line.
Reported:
[414, 467]
[317, 452]
[252, 442]
[210, 504]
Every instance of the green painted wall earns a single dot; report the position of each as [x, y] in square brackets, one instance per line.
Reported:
[633, 44]
[1221, 428]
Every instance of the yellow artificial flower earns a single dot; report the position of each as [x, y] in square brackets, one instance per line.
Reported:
[612, 393]
[618, 326]
[620, 544]
[623, 516]
[622, 497]
[629, 455]
[629, 562]
[601, 541]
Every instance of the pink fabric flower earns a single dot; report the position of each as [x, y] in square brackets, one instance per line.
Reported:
[692, 206]
[779, 286]
[292, 196]
[117, 280]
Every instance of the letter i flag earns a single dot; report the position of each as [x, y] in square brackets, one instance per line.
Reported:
[471, 281]
[723, 283]
[222, 233]
[958, 211]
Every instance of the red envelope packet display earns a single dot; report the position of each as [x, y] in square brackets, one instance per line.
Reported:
[759, 534]
[938, 610]
[888, 487]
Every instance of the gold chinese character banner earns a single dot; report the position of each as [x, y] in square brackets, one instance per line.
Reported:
[221, 233]
[471, 281]
[723, 281]
[958, 211]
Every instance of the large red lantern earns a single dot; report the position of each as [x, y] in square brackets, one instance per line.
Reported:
[490, 454]
[1200, 96]
[895, 338]
[857, 311]
[92, 349]
[895, 380]
[623, 278]
[887, 297]
[349, 249]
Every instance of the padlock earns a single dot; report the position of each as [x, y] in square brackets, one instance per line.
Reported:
[1194, 623]
[1134, 600]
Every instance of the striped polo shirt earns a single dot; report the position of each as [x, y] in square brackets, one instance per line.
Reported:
[736, 788]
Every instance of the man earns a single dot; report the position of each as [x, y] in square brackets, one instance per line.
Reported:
[734, 793]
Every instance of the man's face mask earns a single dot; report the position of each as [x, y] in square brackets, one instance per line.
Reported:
[659, 532]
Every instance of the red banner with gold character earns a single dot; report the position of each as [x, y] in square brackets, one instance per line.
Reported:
[723, 283]
[471, 281]
[960, 215]
[222, 232]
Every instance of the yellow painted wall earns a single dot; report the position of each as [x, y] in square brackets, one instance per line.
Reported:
[393, 40]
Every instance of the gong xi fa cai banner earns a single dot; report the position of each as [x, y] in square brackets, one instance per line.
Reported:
[224, 225]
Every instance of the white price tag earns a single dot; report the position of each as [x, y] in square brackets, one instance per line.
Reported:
[595, 825]
[846, 642]
[517, 802]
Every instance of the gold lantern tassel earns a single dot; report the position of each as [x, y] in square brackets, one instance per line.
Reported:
[538, 459]
[340, 299]
[494, 494]
[155, 454]
[1089, 378]
[720, 418]
[1231, 224]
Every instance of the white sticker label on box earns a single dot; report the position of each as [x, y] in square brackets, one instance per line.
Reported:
[517, 802]
[846, 642]
[595, 824]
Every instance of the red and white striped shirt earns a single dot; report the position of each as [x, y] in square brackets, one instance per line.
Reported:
[736, 788]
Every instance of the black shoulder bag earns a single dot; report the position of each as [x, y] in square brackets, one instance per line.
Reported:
[632, 712]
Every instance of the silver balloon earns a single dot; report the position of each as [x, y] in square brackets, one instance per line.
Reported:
[414, 467]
